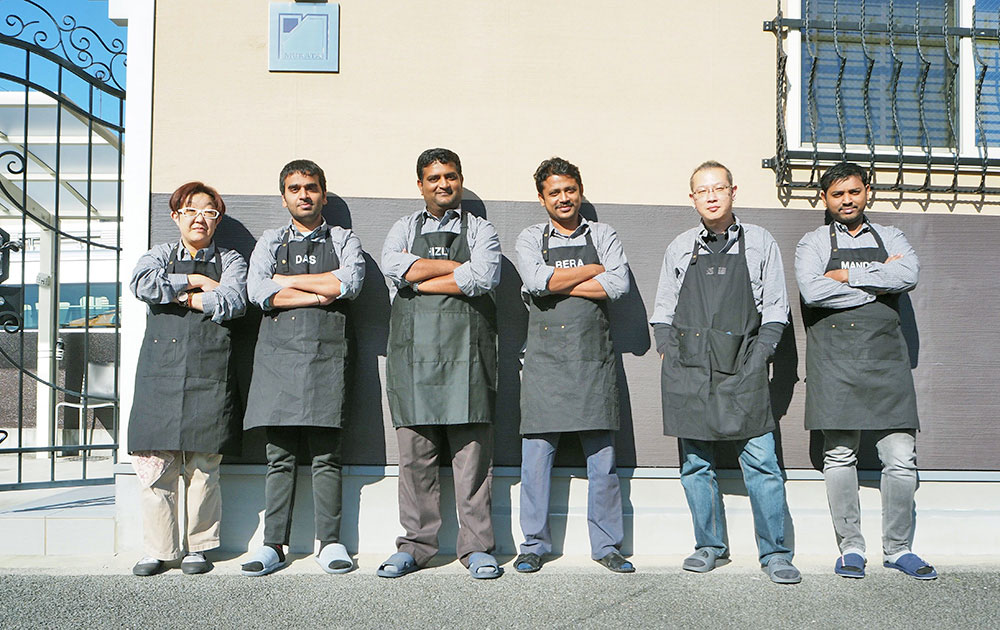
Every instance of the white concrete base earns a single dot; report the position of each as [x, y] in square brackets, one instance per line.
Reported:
[955, 518]
[80, 521]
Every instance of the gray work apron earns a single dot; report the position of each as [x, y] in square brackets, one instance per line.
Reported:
[714, 385]
[184, 381]
[857, 365]
[300, 363]
[441, 364]
[569, 381]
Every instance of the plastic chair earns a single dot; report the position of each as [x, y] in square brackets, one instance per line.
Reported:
[99, 381]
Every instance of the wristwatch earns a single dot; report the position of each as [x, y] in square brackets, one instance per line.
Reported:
[182, 298]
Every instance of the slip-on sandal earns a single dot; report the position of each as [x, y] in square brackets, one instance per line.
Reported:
[148, 566]
[483, 566]
[265, 560]
[527, 563]
[616, 562]
[781, 571]
[397, 565]
[913, 566]
[333, 558]
[701, 561]
[850, 565]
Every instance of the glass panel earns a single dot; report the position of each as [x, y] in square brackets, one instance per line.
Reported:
[988, 16]
[822, 44]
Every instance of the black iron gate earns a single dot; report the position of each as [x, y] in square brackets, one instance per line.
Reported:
[61, 140]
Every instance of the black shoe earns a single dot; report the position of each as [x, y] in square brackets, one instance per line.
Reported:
[616, 562]
[195, 563]
[148, 566]
[528, 563]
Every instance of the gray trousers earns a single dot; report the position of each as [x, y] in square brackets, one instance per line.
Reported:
[898, 452]
[323, 445]
[604, 494]
[420, 447]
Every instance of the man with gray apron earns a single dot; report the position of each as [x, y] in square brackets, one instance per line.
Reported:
[303, 276]
[443, 264]
[182, 419]
[571, 268]
[850, 275]
[720, 309]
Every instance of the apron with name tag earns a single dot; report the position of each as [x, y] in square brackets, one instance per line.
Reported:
[857, 364]
[714, 385]
[569, 382]
[300, 363]
[441, 366]
[184, 396]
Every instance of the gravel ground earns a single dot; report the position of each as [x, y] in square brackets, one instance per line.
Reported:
[565, 594]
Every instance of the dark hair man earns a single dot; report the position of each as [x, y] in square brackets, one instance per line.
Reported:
[192, 289]
[303, 276]
[443, 264]
[571, 268]
[720, 309]
[850, 274]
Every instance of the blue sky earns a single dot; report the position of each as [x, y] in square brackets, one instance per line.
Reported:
[89, 13]
[92, 14]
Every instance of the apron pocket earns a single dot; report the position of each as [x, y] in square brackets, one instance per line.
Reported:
[725, 350]
[691, 347]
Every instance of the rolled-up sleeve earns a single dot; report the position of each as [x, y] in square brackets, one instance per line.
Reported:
[260, 285]
[774, 305]
[897, 276]
[481, 274]
[396, 258]
[535, 274]
[811, 256]
[150, 281]
[614, 279]
[229, 299]
[352, 267]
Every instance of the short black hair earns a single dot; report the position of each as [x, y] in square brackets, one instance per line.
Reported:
[840, 172]
[444, 156]
[556, 166]
[306, 167]
[704, 166]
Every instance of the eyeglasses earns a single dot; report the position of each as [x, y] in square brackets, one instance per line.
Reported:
[208, 213]
[719, 189]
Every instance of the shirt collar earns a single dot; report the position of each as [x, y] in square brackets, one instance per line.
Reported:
[448, 215]
[579, 231]
[203, 254]
[704, 233]
[319, 234]
[866, 227]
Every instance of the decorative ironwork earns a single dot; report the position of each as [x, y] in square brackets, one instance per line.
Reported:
[917, 92]
[80, 45]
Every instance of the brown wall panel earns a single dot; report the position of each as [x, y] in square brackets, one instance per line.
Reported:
[951, 326]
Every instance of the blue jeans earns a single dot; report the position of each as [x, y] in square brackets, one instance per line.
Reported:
[765, 486]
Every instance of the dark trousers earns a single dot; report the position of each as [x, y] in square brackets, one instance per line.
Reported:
[471, 446]
[323, 445]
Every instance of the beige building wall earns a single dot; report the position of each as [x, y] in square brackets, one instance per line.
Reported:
[636, 93]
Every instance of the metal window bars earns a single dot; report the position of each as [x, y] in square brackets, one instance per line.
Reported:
[895, 68]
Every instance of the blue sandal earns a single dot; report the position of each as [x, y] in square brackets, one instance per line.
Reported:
[483, 566]
[913, 566]
[397, 565]
[850, 565]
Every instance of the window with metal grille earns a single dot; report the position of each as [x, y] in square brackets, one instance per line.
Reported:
[910, 88]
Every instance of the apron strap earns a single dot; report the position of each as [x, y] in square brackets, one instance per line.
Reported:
[545, 242]
[698, 245]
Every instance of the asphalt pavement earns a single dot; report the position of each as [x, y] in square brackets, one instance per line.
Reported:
[567, 593]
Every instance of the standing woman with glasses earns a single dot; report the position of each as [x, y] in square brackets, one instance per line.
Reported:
[182, 419]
